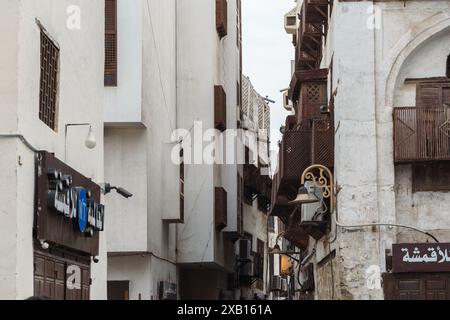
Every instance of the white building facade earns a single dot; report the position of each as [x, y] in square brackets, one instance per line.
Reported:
[177, 75]
[385, 65]
[51, 82]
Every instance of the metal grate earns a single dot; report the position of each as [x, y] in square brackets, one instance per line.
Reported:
[49, 81]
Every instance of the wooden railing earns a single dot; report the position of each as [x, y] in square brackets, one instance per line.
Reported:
[421, 134]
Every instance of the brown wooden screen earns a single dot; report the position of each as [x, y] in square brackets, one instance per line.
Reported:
[220, 108]
[421, 134]
[110, 43]
[221, 17]
[49, 81]
[220, 208]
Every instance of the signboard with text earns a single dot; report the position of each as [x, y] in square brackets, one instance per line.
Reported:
[68, 209]
[421, 257]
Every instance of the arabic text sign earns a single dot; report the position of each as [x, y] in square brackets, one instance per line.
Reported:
[421, 257]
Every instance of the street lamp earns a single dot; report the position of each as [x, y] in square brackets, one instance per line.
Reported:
[277, 250]
[315, 176]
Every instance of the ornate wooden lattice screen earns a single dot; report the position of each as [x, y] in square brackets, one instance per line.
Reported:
[49, 81]
[110, 43]
[421, 134]
[309, 142]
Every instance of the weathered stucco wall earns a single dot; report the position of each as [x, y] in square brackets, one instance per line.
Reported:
[370, 65]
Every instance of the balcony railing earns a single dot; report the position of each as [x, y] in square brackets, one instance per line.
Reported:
[310, 142]
[421, 134]
[312, 29]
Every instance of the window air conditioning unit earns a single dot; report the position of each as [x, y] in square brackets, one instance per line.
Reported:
[244, 249]
[275, 283]
[313, 211]
[227, 295]
[167, 290]
[291, 21]
[247, 269]
[287, 104]
[284, 285]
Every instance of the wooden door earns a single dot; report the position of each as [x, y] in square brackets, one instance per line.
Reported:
[118, 290]
[416, 286]
[52, 274]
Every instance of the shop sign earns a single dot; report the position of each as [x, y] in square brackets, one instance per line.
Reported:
[421, 257]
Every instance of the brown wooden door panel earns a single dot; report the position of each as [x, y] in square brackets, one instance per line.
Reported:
[118, 290]
[417, 286]
[50, 277]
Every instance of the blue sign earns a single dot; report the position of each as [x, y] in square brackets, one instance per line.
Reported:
[75, 203]
[82, 209]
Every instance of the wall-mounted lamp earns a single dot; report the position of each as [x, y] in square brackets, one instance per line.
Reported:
[44, 244]
[305, 195]
[90, 142]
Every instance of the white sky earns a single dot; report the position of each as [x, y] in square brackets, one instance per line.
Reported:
[267, 53]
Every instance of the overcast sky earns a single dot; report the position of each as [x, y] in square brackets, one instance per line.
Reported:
[267, 52]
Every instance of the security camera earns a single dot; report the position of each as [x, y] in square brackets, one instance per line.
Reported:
[124, 193]
[95, 259]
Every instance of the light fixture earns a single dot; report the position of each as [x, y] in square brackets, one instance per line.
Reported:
[276, 249]
[90, 142]
[304, 196]
[44, 244]
[124, 193]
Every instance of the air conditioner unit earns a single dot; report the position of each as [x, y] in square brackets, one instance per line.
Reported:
[291, 21]
[275, 283]
[313, 211]
[247, 269]
[287, 104]
[167, 290]
[244, 249]
[284, 285]
[227, 295]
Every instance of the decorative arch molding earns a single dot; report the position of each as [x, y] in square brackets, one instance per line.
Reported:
[427, 29]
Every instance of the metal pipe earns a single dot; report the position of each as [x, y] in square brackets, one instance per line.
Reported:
[375, 224]
[21, 138]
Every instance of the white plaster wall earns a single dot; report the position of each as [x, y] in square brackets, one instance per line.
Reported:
[8, 122]
[199, 67]
[368, 63]
[144, 273]
[125, 101]
[80, 100]
[255, 223]
[138, 158]
[126, 166]
[427, 210]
